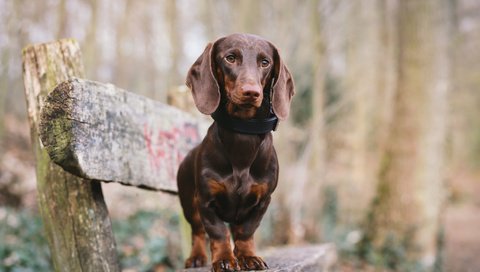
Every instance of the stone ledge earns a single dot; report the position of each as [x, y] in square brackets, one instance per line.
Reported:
[310, 258]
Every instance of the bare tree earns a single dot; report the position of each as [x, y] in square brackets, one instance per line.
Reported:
[315, 152]
[90, 44]
[121, 43]
[171, 15]
[363, 55]
[404, 220]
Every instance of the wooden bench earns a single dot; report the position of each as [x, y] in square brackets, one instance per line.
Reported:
[93, 132]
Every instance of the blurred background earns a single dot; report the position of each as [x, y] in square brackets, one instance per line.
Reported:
[381, 153]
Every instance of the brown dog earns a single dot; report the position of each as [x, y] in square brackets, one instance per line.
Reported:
[242, 82]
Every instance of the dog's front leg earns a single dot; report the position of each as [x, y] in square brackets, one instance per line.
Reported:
[243, 237]
[222, 254]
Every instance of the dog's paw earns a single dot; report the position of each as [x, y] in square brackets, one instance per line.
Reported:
[252, 263]
[196, 261]
[225, 265]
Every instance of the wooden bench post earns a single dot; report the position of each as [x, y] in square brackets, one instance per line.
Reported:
[74, 213]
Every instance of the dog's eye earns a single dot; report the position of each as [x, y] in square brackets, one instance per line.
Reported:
[265, 63]
[230, 58]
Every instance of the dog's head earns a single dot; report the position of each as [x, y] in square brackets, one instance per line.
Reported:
[241, 68]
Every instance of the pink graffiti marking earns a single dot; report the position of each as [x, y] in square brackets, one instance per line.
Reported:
[167, 148]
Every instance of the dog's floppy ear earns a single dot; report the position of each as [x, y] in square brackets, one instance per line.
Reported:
[283, 88]
[201, 80]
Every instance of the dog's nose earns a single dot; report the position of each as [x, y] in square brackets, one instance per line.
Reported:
[251, 91]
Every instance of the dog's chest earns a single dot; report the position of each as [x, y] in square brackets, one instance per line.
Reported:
[242, 150]
[237, 199]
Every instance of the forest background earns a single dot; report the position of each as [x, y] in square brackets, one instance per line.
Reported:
[381, 154]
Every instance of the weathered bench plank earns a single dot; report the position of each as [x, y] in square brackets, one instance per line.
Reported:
[101, 132]
[311, 258]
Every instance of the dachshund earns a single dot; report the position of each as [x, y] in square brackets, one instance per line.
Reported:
[242, 82]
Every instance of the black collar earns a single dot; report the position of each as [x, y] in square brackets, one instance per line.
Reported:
[250, 126]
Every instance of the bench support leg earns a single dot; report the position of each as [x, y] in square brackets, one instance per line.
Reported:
[74, 213]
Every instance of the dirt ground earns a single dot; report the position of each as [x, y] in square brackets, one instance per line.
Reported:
[462, 227]
[463, 238]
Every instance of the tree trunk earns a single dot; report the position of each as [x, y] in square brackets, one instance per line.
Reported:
[361, 82]
[62, 22]
[172, 15]
[404, 220]
[74, 213]
[122, 59]
[316, 150]
[246, 16]
[90, 45]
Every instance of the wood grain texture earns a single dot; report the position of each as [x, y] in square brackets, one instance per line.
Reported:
[74, 213]
[101, 132]
[309, 258]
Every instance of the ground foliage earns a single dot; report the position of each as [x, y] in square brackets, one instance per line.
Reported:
[147, 241]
